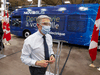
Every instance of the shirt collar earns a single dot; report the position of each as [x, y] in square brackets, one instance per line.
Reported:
[40, 34]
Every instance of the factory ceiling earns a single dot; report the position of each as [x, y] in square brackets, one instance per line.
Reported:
[14, 3]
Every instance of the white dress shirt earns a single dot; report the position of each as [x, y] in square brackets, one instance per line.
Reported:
[33, 48]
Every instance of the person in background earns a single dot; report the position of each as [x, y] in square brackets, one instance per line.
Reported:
[37, 50]
[1, 35]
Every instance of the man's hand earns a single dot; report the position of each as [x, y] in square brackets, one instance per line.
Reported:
[52, 59]
[42, 63]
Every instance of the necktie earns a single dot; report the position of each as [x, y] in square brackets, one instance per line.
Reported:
[46, 49]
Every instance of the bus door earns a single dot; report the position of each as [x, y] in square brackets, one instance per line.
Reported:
[57, 26]
[16, 25]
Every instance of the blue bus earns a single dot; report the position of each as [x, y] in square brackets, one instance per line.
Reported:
[72, 23]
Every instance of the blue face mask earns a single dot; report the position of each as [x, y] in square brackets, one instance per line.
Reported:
[45, 29]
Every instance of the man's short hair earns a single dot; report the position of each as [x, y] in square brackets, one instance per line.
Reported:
[41, 17]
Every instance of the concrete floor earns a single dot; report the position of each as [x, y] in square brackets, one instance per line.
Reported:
[77, 64]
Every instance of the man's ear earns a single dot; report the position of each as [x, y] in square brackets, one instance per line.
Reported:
[37, 24]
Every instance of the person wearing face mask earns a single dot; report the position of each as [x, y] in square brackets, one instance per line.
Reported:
[37, 50]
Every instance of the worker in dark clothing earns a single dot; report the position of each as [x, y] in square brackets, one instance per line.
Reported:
[1, 35]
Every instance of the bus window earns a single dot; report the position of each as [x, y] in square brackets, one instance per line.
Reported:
[77, 23]
[16, 16]
[30, 21]
[16, 21]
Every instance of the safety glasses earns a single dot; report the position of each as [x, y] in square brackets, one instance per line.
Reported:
[45, 23]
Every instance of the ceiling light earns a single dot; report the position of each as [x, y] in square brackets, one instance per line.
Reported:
[19, 6]
[29, 0]
[67, 2]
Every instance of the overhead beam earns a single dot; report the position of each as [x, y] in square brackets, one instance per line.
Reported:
[97, 1]
[80, 2]
[91, 1]
[87, 1]
[71, 1]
